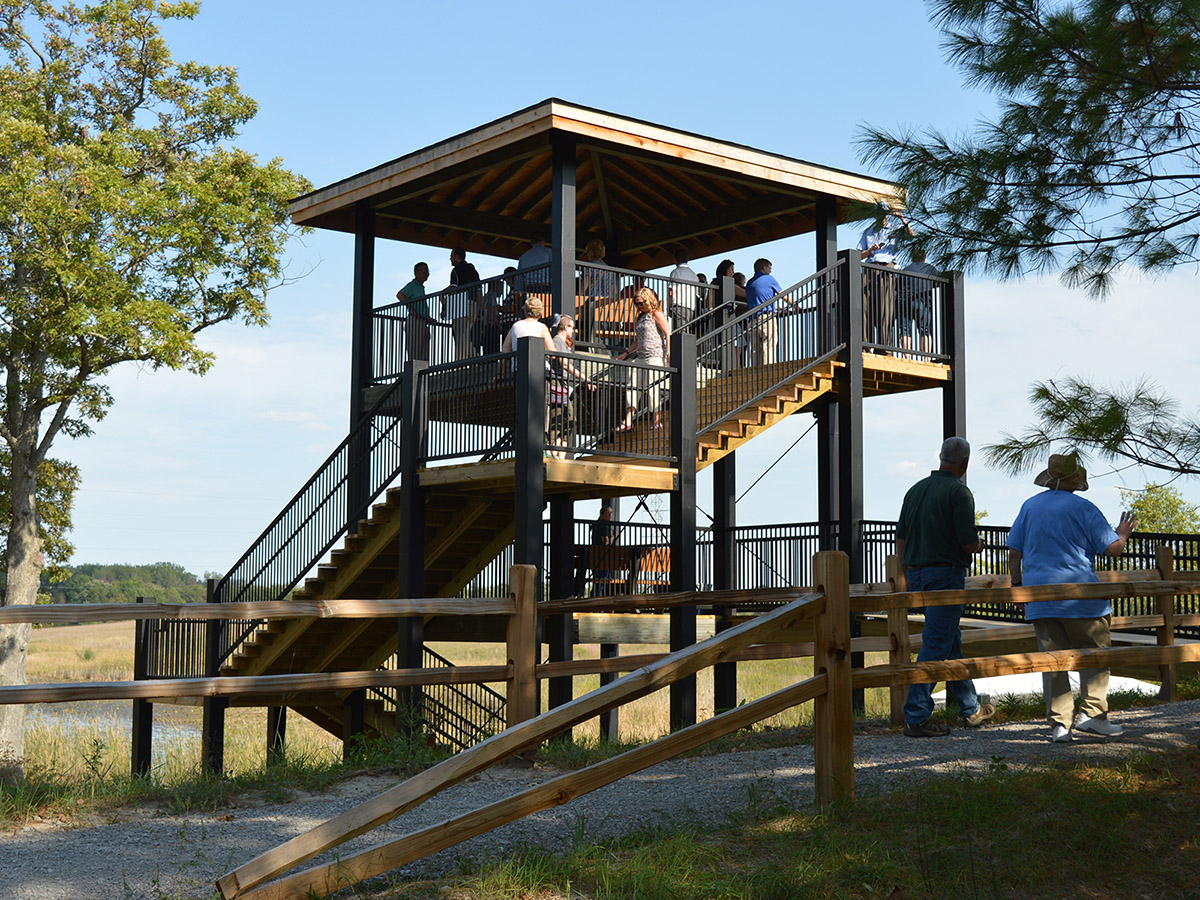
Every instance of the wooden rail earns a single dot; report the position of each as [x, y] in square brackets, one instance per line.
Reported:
[830, 688]
[515, 739]
[830, 605]
[78, 613]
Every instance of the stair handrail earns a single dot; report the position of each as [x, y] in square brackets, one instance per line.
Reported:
[383, 468]
[811, 349]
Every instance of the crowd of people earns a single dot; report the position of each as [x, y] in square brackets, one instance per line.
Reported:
[479, 315]
[474, 317]
[1055, 538]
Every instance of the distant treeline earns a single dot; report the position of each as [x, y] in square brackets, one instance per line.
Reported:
[92, 583]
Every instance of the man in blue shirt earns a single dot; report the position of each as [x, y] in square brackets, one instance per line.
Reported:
[877, 246]
[1054, 540]
[761, 291]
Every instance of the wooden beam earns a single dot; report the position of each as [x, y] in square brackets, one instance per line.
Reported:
[1103, 590]
[228, 686]
[602, 194]
[77, 613]
[932, 672]
[684, 229]
[557, 791]
[425, 784]
[464, 518]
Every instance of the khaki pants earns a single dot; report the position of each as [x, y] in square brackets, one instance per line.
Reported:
[1074, 634]
[764, 341]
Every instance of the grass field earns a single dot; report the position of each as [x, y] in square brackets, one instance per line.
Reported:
[83, 739]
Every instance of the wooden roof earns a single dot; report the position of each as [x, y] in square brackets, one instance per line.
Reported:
[642, 187]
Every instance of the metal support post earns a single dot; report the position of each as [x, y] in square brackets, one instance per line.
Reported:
[560, 629]
[276, 735]
[143, 710]
[610, 721]
[411, 562]
[954, 392]
[562, 242]
[212, 727]
[361, 362]
[725, 691]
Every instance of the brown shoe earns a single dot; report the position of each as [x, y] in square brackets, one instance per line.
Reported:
[981, 715]
[925, 729]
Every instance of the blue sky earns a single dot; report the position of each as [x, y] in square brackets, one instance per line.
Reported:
[191, 469]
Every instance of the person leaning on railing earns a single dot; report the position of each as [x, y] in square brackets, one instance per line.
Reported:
[651, 332]
[416, 324]
[560, 426]
[1053, 541]
[761, 291]
[878, 247]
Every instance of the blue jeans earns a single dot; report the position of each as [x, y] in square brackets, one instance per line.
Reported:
[941, 639]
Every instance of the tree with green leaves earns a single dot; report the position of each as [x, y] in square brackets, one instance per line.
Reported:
[130, 224]
[1093, 162]
[1137, 424]
[1161, 508]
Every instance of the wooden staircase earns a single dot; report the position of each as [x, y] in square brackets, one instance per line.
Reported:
[462, 535]
[466, 530]
[795, 389]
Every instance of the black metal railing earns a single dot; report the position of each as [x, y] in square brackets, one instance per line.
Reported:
[604, 310]
[904, 312]
[460, 715]
[607, 407]
[593, 405]
[470, 409]
[879, 539]
[174, 649]
[337, 496]
[452, 325]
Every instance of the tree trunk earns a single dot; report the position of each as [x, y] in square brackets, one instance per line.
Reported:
[24, 569]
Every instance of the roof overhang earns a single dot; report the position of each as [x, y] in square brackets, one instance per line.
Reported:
[643, 188]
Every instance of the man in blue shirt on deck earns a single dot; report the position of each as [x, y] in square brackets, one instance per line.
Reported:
[877, 246]
[764, 332]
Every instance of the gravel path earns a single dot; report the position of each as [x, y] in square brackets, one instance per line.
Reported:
[156, 856]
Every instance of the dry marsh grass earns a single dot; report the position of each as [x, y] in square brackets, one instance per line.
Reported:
[91, 740]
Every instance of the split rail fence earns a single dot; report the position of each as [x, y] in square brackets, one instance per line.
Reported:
[828, 606]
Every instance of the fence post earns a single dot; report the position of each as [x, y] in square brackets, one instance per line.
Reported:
[276, 735]
[522, 645]
[900, 643]
[143, 710]
[610, 722]
[212, 728]
[834, 715]
[354, 722]
[1164, 561]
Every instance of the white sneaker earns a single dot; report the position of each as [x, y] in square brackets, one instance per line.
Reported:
[1061, 735]
[1098, 726]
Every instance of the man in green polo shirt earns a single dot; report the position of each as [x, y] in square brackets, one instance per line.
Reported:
[935, 538]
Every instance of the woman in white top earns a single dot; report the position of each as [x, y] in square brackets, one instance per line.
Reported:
[530, 326]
